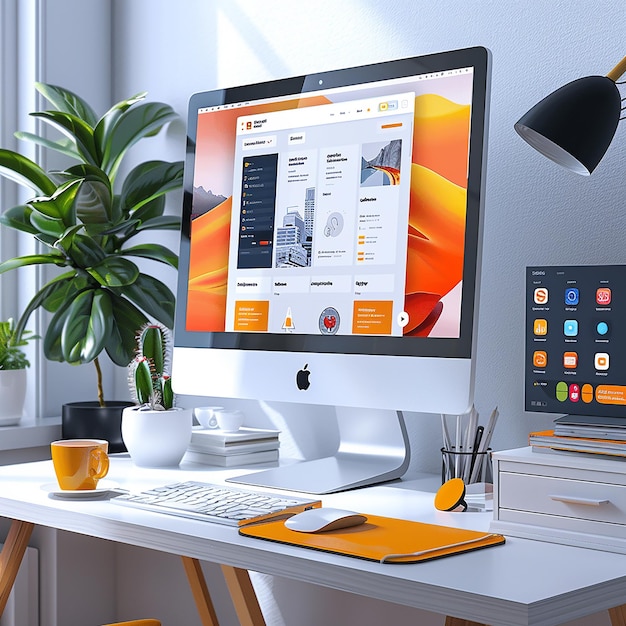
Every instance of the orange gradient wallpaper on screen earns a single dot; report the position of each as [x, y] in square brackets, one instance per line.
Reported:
[437, 212]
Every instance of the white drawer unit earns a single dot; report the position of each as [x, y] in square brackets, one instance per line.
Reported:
[574, 499]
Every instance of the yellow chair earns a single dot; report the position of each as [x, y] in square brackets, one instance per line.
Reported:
[137, 622]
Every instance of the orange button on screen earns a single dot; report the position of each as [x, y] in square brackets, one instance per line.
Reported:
[586, 393]
[540, 358]
[611, 394]
[251, 315]
[372, 317]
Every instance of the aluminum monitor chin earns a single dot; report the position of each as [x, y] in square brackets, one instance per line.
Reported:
[330, 248]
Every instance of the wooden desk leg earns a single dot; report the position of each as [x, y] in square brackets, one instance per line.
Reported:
[243, 596]
[200, 591]
[617, 615]
[11, 557]
[457, 621]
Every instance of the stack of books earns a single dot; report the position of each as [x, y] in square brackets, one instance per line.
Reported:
[230, 449]
[548, 441]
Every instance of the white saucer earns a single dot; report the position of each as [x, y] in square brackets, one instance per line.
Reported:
[103, 488]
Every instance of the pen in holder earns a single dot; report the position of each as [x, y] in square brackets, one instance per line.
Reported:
[472, 467]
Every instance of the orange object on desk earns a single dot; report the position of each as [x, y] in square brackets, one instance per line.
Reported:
[382, 539]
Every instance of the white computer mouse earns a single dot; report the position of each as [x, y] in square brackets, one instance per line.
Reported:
[323, 519]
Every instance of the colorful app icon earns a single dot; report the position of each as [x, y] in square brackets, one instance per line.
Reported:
[288, 324]
[574, 392]
[561, 391]
[541, 295]
[572, 296]
[540, 358]
[586, 393]
[601, 361]
[570, 328]
[570, 360]
[603, 296]
[602, 328]
[540, 327]
[328, 322]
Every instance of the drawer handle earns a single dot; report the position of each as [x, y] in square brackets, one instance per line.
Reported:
[577, 500]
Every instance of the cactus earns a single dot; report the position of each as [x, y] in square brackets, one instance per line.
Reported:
[149, 382]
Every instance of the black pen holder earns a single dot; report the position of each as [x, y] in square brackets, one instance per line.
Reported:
[472, 467]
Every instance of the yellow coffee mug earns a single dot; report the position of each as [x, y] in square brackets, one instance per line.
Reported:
[80, 463]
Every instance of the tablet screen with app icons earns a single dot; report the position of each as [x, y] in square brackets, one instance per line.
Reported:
[575, 359]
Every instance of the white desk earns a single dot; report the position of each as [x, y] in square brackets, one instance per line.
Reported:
[521, 583]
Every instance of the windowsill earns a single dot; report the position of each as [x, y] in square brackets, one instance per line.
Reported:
[30, 433]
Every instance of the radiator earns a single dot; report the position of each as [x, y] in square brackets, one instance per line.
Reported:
[22, 608]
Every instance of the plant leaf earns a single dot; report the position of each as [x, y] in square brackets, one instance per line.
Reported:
[18, 218]
[148, 181]
[127, 319]
[68, 102]
[94, 202]
[165, 222]
[38, 299]
[64, 146]
[110, 118]
[153, 251]
[114, 271]
[48, 226]
[61, 205]
[82, 249]
[81, 328]
[32, 259]
[76, 129]
[153, 297]
[85, 170]
[131, 126]
[125, 229]
[25, 172]
[62, 289]
[149, 210]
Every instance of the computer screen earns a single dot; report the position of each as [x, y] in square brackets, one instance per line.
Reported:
[575, 362]
[331, 236]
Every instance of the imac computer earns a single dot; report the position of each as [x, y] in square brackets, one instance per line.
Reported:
[330, 252]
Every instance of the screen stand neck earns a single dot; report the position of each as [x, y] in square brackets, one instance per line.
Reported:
[373, 448]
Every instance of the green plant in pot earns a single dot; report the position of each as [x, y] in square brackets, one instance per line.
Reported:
[155, 431]
[86, 217]
[13, 364]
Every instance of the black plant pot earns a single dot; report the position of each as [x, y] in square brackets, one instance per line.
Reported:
[89, 420]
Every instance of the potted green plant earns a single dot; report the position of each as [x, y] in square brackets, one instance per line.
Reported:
[13, 364]
[85, 217]
[155, 431]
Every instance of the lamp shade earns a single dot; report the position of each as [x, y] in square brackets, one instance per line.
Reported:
[574, 125]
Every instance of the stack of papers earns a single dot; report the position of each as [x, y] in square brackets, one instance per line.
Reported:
[591, 427]
[547, 440]
[228, 449]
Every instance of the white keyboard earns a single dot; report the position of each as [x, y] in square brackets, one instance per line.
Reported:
[216, 503]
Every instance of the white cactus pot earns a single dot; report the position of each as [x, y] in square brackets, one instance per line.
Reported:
[12, 396]
[156, 438]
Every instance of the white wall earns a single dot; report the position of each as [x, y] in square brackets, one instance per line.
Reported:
[535, 212]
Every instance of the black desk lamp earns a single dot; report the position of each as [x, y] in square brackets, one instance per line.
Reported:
[574, 126]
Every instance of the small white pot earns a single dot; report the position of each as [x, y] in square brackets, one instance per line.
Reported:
[156, 438]
[12, 396]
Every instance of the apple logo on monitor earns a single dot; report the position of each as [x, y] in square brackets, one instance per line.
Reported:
[302, 378]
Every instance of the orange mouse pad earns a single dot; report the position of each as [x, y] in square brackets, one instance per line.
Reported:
[382, 539]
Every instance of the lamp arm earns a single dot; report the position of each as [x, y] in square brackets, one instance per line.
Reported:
[617, 71]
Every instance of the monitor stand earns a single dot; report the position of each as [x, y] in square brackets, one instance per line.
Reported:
[373, 448]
